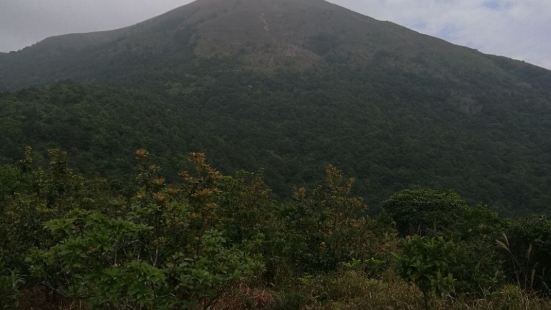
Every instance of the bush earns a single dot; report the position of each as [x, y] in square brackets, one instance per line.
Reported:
[526, 247]
[442, 268]
[10, 283]
[429, 263]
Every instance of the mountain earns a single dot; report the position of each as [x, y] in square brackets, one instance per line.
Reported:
[286, 86]
[260, 34]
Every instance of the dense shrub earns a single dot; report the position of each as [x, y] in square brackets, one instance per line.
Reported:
[445, 268]
[208, 240]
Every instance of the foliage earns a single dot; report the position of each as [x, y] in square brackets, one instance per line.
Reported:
[526, 247]
[290, 125]
[445, 268]
[428, 262]
[159, 249]
[91, 251]
[436, 213]
[425, 211]
[10, 284]
[208, 240]
[328, 225]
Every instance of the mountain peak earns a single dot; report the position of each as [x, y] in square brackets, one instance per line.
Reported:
[269, 33]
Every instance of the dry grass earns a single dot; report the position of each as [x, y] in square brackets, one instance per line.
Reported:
[353, 290]
[243, 296]
[39, 298]
[349, 290]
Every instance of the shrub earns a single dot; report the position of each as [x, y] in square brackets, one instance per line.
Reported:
[442, 268]
[526, 247]
[429, 263]
[10, 283]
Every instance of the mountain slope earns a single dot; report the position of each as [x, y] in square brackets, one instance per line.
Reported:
[287, 86]
[261, 34]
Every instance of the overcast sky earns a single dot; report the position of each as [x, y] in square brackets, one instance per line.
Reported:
[519, 29]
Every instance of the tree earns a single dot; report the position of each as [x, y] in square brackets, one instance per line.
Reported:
[425, 211]
[328, 225]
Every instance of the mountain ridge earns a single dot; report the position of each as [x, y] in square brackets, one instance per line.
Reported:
[304, 34]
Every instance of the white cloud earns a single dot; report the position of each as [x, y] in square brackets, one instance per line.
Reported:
[519, 29]
[23, 22]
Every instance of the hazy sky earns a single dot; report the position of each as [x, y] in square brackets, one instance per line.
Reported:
[516, 28]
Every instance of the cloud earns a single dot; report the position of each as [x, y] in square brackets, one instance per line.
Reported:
[514, 28]
[24, 22]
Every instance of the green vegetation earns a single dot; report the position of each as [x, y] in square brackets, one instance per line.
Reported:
[281, 88]
[290, 136]
[208, 240]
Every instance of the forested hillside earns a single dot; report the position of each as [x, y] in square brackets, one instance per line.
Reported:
[285, 87]
[290, 127]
